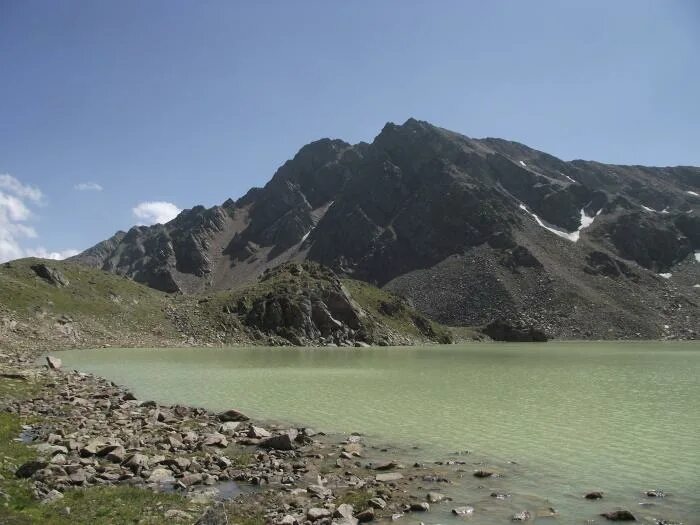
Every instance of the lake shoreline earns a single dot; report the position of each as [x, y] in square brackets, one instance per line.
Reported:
[371, 478]
[349, 466]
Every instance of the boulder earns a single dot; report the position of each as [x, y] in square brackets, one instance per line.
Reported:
[258, 432]
[232, 415]
[50, 275]
[365, 516]
[54, 362]
[318, 513]
[28, 469]
[596, 494]
[377, 503]
[161, 476]
[435, 497]
[284, 441]
[215, 440]
[420, 506]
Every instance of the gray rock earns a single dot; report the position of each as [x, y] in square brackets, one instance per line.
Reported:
[377, 503]
[389, 476]
[258, 432]
[365, 516]
[161, 476]
[619, 515]
[317, 513]
[215, 440]
[420, 506]
[232, 415]
[435, 497]
[229, 427]
[283, 441]
[463, 511]
[28, 469]
[54, 362]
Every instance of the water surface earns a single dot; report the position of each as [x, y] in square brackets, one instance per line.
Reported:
[575, 417]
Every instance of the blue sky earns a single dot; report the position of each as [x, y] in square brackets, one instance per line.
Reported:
[184, 103]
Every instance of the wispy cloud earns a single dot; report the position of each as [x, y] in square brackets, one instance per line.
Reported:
[24, 191]
[88, 186]
[15, 216]
[155, 212]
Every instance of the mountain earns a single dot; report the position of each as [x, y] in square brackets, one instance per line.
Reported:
[466, 230]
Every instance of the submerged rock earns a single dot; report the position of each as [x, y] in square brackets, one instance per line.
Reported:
[596, 494]
[619, 515]
[463, 511]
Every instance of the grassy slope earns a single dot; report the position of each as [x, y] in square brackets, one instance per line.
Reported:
[105, 308]
[99, 308]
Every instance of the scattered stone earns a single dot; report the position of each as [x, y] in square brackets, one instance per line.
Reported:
[521, 516]
[483, 474]
[52, 496]
[500, 495]
[421, 506]
[655, 493]
[596, 494]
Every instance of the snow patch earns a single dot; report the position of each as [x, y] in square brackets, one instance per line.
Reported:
[696, 286]
[572, 180]
[665, 210]
[650, 210]
[306, 235]
[586, 221]
[694, 194]
[665, 275]
[697, 256]
[522, 163]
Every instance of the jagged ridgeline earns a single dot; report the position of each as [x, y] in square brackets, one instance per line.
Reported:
[466, 230]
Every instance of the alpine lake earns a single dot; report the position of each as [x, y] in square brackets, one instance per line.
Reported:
[559, 420]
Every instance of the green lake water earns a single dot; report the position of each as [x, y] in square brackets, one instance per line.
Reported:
[559, 419]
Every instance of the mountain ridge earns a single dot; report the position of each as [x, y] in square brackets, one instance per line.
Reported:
[395, 212]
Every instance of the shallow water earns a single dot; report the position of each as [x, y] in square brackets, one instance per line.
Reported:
[575, 417]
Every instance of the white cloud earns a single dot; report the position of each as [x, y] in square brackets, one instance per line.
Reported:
[15, 213]
[88, 186]
[15, 187]
[155, 212]
[43, 253]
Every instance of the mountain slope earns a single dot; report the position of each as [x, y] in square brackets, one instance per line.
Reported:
[467, 230]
